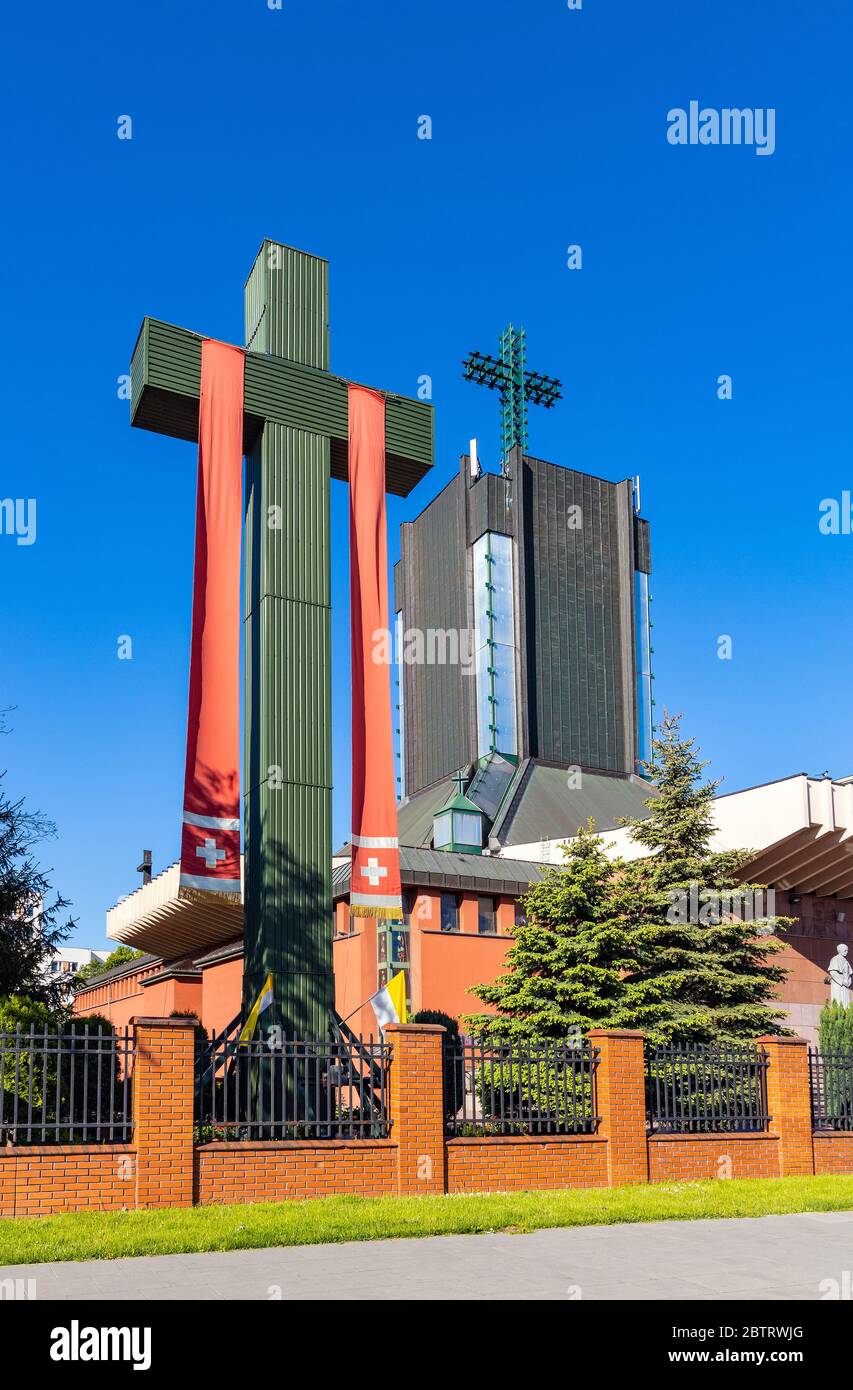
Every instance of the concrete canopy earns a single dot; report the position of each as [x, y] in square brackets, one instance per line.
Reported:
[799, 831]
[154, 918]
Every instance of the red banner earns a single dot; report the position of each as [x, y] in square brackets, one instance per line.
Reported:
[375, 879]
[210, 845]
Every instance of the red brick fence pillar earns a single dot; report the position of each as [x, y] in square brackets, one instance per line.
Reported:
[789, 1103]
[163, 1076]
[620, 1090]
[416, 1106]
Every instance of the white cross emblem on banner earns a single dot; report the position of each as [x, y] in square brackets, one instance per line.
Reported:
[209, 853]
[374, 872]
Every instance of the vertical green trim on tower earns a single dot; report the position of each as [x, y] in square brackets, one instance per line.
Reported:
[287, 757]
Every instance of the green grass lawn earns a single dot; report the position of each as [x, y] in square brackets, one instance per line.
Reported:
[109, 1235]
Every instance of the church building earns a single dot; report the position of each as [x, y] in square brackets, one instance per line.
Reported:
[524, 709]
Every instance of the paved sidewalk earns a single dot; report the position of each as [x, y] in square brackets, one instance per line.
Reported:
[771, 1257]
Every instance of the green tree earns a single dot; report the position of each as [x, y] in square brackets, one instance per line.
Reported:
[672, 943]
[17, 1011]
[32, 922]
[120, 956]
[39, 1074]
[702, 958]
[566, 969]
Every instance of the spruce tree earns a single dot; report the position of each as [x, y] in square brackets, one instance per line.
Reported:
[702, 966]
[566, 969]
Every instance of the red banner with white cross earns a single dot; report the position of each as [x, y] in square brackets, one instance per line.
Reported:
[210, 843]
[375, 877]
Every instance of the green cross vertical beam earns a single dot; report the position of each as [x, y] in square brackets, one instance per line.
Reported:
[513, 397]
[287, 757]
[295, 439]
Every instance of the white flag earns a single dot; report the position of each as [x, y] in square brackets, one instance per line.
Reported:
[389, 1003]
[383, 1007]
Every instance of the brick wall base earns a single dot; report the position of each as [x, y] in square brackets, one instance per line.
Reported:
[274, 1172]
[833, 1153]
[693, 1157]
[43, 1180]
[526, 1163]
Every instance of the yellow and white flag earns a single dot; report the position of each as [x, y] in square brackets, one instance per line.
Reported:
[262, 1002]
[389, 1003]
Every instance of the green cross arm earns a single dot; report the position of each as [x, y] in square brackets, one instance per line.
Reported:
[488, 371]
[165, 374]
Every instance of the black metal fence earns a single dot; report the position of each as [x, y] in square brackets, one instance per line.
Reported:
[296, 1090]
[697, 1089]
[519, 1086]
[65, 1086]
[831, 1081]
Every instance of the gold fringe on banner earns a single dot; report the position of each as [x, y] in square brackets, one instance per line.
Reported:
[199, 895]
[361, 910]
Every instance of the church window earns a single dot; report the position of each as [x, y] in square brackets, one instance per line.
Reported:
[449, 912]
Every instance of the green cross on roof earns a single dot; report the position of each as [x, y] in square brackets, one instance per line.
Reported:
[508, 375]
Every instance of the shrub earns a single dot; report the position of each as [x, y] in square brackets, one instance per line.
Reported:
[836, 1028]
[536, 1086]
[836, 1046]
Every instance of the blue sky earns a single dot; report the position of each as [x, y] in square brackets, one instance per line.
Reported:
[549, 128]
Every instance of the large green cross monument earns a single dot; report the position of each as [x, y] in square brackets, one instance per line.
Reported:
[295, 439]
